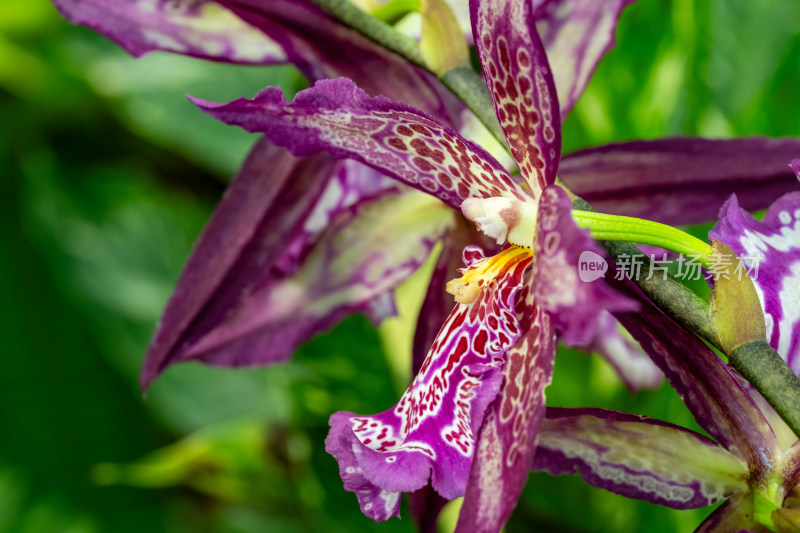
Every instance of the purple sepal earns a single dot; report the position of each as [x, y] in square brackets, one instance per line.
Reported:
[771, 250]
[337, 117]
[266, 33]
[350, 183]
[576, 35]
[521, 85]
[321, 47]
[507, 441]
[281, 261]
[638, 457]
[265, 205]
[561, 288]
[346, 270]
[682, 180]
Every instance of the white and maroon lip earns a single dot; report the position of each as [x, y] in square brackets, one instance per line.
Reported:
[502, 219]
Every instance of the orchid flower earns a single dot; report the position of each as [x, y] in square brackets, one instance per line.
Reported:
[489, 365]
[290, 31]
[659, 178]
[754, 459]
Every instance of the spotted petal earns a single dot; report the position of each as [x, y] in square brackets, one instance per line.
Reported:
[523, 91]
[638, 457]
[431, 432]
[404, 143]
[426, 503]
[458, 249]
[682, 180]
[772, 248]
[572, 300]
[507, 441]
[576, 35]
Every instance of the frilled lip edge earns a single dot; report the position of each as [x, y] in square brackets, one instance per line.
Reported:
[431, 433]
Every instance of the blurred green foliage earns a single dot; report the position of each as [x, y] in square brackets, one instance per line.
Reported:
[108, 175]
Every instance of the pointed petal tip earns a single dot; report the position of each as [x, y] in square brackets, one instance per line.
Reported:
[795, 166]
[402, 142]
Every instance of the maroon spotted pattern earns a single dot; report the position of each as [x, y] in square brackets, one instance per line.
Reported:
[519, 79]
[507, 441]
[400, 141]
[435, 424]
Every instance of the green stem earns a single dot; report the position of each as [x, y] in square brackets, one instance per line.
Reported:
[374, 29]
[761, 365]
[618, 228]
[670, 295]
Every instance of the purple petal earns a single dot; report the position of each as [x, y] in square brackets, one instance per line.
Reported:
[638, 457]
[431, 432]
[265, 206]
[351, 264]
[200, 28]
[771, 248]
[507, 441]
[376, 503]
[632, 365]
[576, 35]
[426, 503]
[398, 140]
[323, 48]
[706, 385]
[681, 181]
[523, 91]
[562, 288]
[733, 516]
